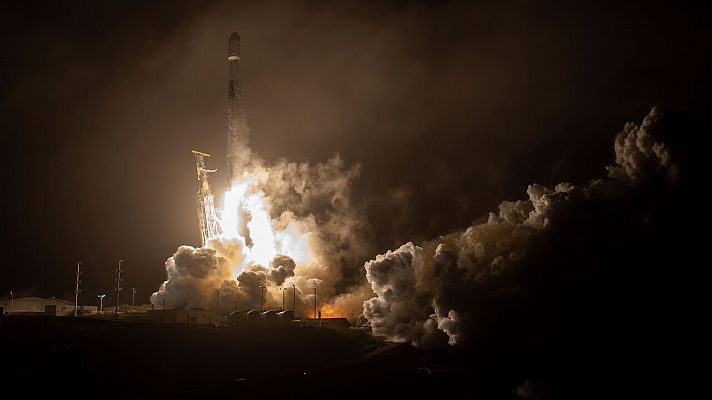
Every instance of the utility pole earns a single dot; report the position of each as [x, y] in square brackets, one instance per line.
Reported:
[217, 303]
[118, 287]
[76, 289]
[314, 301]
[294, 299]
[283, 289]
[133, 297]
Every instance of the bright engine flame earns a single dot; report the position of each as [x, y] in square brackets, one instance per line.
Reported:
[245, 217]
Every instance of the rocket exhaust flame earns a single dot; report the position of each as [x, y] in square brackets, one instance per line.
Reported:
[258, 237]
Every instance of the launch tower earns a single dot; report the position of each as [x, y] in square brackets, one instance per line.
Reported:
[207, 218]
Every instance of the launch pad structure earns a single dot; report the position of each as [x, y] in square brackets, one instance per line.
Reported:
[207, 217]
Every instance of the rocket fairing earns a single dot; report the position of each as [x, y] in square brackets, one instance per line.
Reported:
[233, 47]
[238, 151]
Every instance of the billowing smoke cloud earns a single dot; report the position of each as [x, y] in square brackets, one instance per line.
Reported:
[499, 284]
[282, 268]
[504, 276]
[193, 274]
[286, 225]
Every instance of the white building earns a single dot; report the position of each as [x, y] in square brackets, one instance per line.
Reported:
[38, 305]
[24, 305]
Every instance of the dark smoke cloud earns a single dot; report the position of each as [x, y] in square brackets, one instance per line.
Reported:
[282, 268]
[457, 287]
[193, 273]
[575, 286]
[253, 281]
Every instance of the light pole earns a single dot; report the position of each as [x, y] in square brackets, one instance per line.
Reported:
[133, 297]
[294, 299]
[262, 297]
[314, 301]
[12, 301]
[283, 289]
[101, 302]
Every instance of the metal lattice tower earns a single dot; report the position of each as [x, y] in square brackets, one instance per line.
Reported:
[207, 218]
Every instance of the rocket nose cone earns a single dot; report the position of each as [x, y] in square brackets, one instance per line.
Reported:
[233, 48]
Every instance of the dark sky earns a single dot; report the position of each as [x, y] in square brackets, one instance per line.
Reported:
[463, 103]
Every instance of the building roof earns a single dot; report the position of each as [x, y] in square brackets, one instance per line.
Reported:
[32, 299]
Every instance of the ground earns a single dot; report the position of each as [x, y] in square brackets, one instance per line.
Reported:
[93, 357]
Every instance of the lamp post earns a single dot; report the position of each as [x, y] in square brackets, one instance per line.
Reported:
[262, 297]
[101, 302]
[283, 289]
[133, 297]
[294, 299]
[314, 301]
[12, 301]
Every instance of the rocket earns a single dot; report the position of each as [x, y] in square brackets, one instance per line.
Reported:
[238, 135]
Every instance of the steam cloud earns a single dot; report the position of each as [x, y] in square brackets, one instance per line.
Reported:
[528, 255]
[301, 211]
[498, 284]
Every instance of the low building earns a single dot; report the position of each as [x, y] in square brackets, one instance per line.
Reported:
[328, 322]
[196, 316]
[260, 318]
[34, 305]
[200, 316]
[64, 310]
[286, 315]
[177, 316]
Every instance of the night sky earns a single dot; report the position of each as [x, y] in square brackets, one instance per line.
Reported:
[460, 105]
